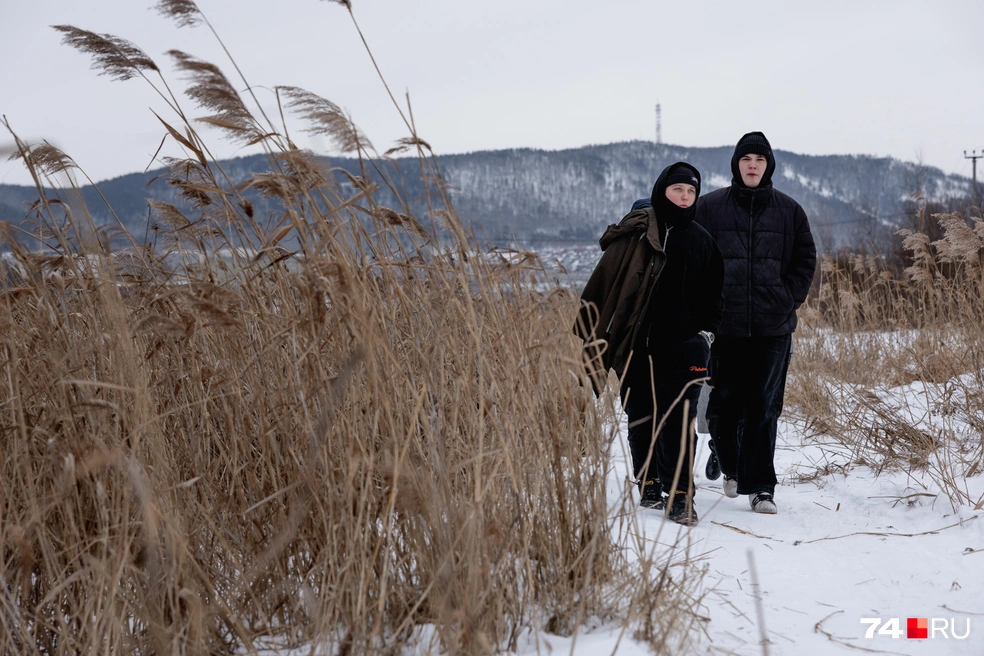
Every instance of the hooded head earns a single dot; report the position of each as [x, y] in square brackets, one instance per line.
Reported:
[753, 143]
[667, 210]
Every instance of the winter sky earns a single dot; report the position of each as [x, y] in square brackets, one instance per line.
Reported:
[881, 77]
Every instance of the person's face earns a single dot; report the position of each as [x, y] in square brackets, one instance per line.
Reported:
[752, 168]
[681, 195]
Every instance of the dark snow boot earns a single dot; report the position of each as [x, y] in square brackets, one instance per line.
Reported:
[682, 511]
[712, 471]
[652, 495]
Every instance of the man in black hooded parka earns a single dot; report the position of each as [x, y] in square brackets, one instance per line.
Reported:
[769, 261]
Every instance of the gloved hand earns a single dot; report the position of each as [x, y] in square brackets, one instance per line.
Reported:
[708, 337]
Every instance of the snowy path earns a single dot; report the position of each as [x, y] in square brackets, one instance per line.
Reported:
[836, 552]
[846, 545]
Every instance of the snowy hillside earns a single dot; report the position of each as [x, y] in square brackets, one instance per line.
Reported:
[575, 193]
[535, 196]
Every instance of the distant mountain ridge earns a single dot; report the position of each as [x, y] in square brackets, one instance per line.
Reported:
[573, 193]
[527, 194]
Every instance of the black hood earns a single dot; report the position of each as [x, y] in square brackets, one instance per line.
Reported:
[753, 142]
[665, 210]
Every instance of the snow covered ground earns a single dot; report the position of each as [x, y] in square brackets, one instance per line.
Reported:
[845, 545]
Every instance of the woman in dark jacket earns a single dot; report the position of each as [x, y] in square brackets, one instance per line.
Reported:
[649, 311]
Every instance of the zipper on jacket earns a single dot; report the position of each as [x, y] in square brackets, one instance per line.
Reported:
[751, 221]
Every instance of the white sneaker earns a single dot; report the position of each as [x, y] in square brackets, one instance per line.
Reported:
[731, 487]
[762, 502]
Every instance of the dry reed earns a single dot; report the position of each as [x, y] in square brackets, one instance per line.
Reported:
[219, 441]
[872, 329]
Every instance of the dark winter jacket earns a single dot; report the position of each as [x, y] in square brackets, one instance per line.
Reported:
[658, 283]
[769, 254]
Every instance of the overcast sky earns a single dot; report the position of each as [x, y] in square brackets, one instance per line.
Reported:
[881, 77]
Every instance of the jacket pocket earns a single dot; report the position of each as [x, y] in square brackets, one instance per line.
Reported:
[789, 303]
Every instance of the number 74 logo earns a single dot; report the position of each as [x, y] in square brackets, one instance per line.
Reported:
[916, 628]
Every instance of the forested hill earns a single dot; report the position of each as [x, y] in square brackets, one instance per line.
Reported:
[529, 194]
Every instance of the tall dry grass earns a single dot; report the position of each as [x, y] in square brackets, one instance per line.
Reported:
[218, 443]
[872, 331]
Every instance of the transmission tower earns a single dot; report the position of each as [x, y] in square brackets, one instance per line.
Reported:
[659, 125]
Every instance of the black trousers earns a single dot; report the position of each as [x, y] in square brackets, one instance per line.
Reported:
[748, 378]
[649, 392]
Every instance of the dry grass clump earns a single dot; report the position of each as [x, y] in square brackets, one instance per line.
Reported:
[219, 441]
[871, 331]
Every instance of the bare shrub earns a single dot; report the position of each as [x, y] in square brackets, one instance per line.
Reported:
[872, 328]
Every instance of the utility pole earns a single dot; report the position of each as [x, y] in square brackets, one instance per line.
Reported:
[659, 126]
[973, 157]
